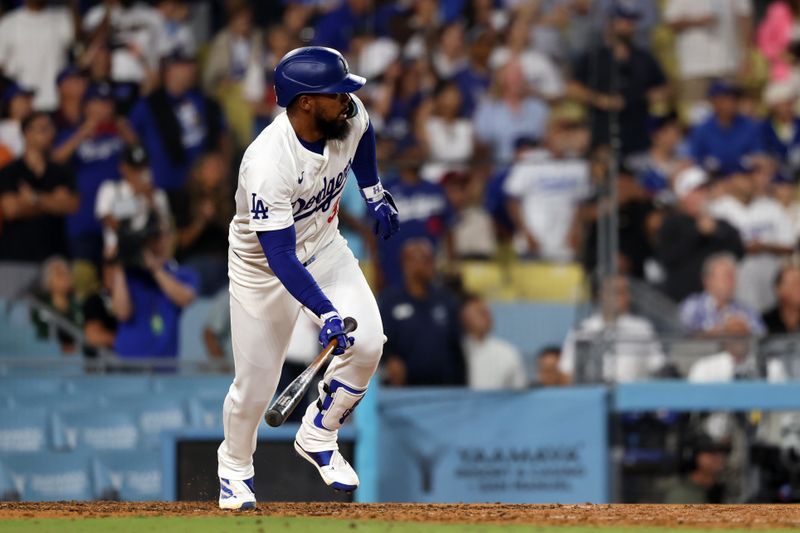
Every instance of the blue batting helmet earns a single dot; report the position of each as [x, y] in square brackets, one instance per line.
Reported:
[313, 70]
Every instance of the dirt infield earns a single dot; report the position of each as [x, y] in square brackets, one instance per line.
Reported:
[713, 516]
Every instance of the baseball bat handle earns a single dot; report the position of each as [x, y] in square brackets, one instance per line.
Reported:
[286, 402]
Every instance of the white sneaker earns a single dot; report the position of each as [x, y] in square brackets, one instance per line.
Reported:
[236, 494]
[336, 472]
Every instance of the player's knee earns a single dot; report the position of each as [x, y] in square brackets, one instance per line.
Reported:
[368, 346]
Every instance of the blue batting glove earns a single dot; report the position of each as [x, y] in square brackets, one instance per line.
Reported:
[333, 328]
[384, 211]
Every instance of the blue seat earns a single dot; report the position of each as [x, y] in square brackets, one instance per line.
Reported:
[153, 415]
[31, 385]
[134, 475]
[24, 429]
[50, 476]
[206, 413]
[111, 385]
[93, 429]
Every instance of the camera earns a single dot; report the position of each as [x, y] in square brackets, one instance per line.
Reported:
[132, 239]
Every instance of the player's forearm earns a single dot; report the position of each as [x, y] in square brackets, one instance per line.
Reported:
[365, 163]
[179, 293]
[120, 297]
[280, 250]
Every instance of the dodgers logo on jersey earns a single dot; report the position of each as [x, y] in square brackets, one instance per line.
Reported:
[329, 191]
[259, 210]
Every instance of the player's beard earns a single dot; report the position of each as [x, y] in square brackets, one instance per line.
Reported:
[333, 130]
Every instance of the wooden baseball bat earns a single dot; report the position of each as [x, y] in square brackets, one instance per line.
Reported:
[285, 403]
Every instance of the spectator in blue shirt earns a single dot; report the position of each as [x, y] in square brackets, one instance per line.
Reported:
[424, 213]
[176, 124]
[336, 28]
[715, 311]
[93, 149]
[781, 129]
[474, 79]
[421, 321]
[727, 139]
[148, 295]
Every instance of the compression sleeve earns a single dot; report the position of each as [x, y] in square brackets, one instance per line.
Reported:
[365, 164]
[280, 249]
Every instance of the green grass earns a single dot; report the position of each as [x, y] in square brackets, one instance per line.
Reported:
[269, 524]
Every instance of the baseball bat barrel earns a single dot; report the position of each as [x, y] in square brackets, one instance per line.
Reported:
[286, 402]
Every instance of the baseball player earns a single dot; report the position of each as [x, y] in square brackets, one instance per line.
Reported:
[290, 181]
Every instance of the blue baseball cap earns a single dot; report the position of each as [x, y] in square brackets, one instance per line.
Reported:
[723, 88]
[626, 10]
[99, 91]
[69, 72]
[15, 89]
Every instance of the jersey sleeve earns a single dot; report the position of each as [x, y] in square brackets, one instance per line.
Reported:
[269, 186]
[361, 119]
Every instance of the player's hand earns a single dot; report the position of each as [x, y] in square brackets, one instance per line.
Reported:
[384, 211]
[333, 328]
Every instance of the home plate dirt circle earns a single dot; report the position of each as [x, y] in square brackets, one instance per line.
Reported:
[706, 516]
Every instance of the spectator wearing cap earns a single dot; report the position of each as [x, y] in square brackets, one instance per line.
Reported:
[689, 235]
[715, 310]
[130, 200]
[92, 149]
[780, 131]
[34, 42]
[236, 57]
[72, 84]
[427, 215]
[619, 80]
[785, 316]
[711, 41]
[667, 155]
[18, 102]
[509, 112]
[545, 190]
[36, 195]
[96, 61]
[726, 140]
[763, 227]
[447, 138]
[176, 124]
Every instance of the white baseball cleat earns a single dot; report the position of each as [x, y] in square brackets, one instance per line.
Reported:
[236, 494]
[336, 472]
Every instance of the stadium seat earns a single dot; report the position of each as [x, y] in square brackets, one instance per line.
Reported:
[24, 429]
[548, 282]
[110, 385]
[153, 415]
[134, 475]
[486, 278]
[206, 412]
[50, 476]
[91, 429]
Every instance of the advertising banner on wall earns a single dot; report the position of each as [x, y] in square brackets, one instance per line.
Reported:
[543, 446]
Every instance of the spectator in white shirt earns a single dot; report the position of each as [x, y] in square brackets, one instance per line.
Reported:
[545, 190]
[541, 74]
[448, 138]
[132, 199]
[492, 363]
[711, 40]
[632, 352]
[765, 229]
[34, 42]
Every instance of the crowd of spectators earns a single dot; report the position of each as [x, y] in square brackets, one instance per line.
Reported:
[501, 126]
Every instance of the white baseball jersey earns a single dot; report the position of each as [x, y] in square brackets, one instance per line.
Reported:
[282, 183]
